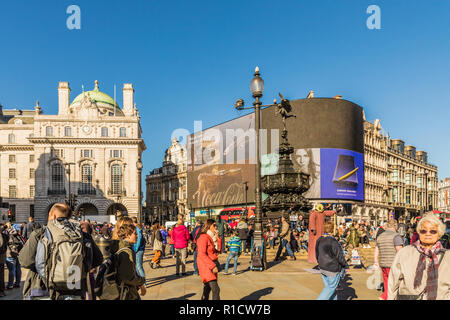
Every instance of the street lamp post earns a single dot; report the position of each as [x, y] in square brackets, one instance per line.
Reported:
[257, 88]
[70, 200]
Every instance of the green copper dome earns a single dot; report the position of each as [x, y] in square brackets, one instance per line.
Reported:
[96, 96]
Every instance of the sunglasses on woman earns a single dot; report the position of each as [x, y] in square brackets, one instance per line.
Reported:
[429, 231]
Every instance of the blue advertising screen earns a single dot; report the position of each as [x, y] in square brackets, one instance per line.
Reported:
[341, 174]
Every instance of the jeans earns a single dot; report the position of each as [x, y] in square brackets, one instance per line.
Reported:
[211, 286]
[181, 255]
[222, 237]
[163, 251]
[232, 255]
[195, 262]
[14, 271]
[272, 243]
[329, 291]
[244, 245]
[293, 225]
[284, 243]
[139, 261]
[172, 249]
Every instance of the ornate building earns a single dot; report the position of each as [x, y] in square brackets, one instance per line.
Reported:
[397, 178]
[166, 186]
[444, 195]
[89, 154]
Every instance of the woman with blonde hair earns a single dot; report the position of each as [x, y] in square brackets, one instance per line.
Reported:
[421, 271]
[120, 222]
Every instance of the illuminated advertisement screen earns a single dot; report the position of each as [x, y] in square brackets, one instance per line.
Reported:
[341, 174]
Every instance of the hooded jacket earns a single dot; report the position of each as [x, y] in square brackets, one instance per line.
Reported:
[180, 235]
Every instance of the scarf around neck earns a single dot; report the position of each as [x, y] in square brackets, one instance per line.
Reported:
[432, 270]
[214, 238]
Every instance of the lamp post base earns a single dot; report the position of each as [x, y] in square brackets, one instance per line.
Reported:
[258, 257]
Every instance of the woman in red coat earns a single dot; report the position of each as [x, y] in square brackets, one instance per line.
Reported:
[207, 259]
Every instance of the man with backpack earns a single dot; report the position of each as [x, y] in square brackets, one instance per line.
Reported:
[194, 236]
[30, 227]
[59, 258]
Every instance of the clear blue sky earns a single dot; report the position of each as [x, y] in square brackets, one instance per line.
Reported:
[190, 60]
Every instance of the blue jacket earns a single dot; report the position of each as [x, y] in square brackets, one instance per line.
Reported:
[234, 244]
[140, 243]
[164, 234]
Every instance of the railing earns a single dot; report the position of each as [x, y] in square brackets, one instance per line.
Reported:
[86, 191]
[56, 191]
[123, 192]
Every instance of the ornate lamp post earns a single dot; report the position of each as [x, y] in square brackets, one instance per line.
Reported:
[257, 88]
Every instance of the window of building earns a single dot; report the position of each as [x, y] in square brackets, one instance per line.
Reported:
[115, 153]
[419, 182]
[430, 185]
[104, 131]
[408, 178]
[49, 131]
[419, 198]
[12, 173]
[57, 173]
[31, 173]
[86, 154]
[123, 132]
[12, 192]
[31, 157]
[116, 179]
[86, 178]
[12, 158]
[11, 138]
[68, 131]
[395, 194]
[57, 153]
[32, 210]
[31, 191]
[408, 196]
[395, 175]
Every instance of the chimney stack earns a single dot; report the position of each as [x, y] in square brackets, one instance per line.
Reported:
[63, 98]
[128, 99]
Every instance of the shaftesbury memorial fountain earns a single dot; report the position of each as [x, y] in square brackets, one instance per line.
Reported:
[285, 188]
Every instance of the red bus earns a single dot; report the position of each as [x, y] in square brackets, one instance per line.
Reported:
[236, 213]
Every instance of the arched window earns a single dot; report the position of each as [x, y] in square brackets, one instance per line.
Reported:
[11, 138]
[86, 179]
[57, 173]
[116, 179]
[49, 131]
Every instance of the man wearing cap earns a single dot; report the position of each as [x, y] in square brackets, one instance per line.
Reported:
[316, 221]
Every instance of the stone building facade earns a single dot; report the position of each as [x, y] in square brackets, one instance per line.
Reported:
[167, 186]
[89, 152]
[444, 195]
[397, 178]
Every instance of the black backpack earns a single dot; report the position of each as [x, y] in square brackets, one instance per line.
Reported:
[106, 283]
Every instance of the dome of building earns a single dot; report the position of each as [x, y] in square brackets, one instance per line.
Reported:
[102, 99]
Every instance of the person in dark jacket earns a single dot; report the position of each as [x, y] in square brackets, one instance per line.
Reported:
[30, 227]
[126, 267]
[242, 228]
[4, 238]
[331, 259]
[34, 287]
[194, 236]
[222, 227]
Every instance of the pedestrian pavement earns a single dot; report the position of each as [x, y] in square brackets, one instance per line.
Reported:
[283, 280]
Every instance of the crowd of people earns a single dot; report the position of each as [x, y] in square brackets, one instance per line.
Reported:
[410, 254]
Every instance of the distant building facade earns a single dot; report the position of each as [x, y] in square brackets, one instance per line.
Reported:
[91, 150]
[166, 186]
[444, 195]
